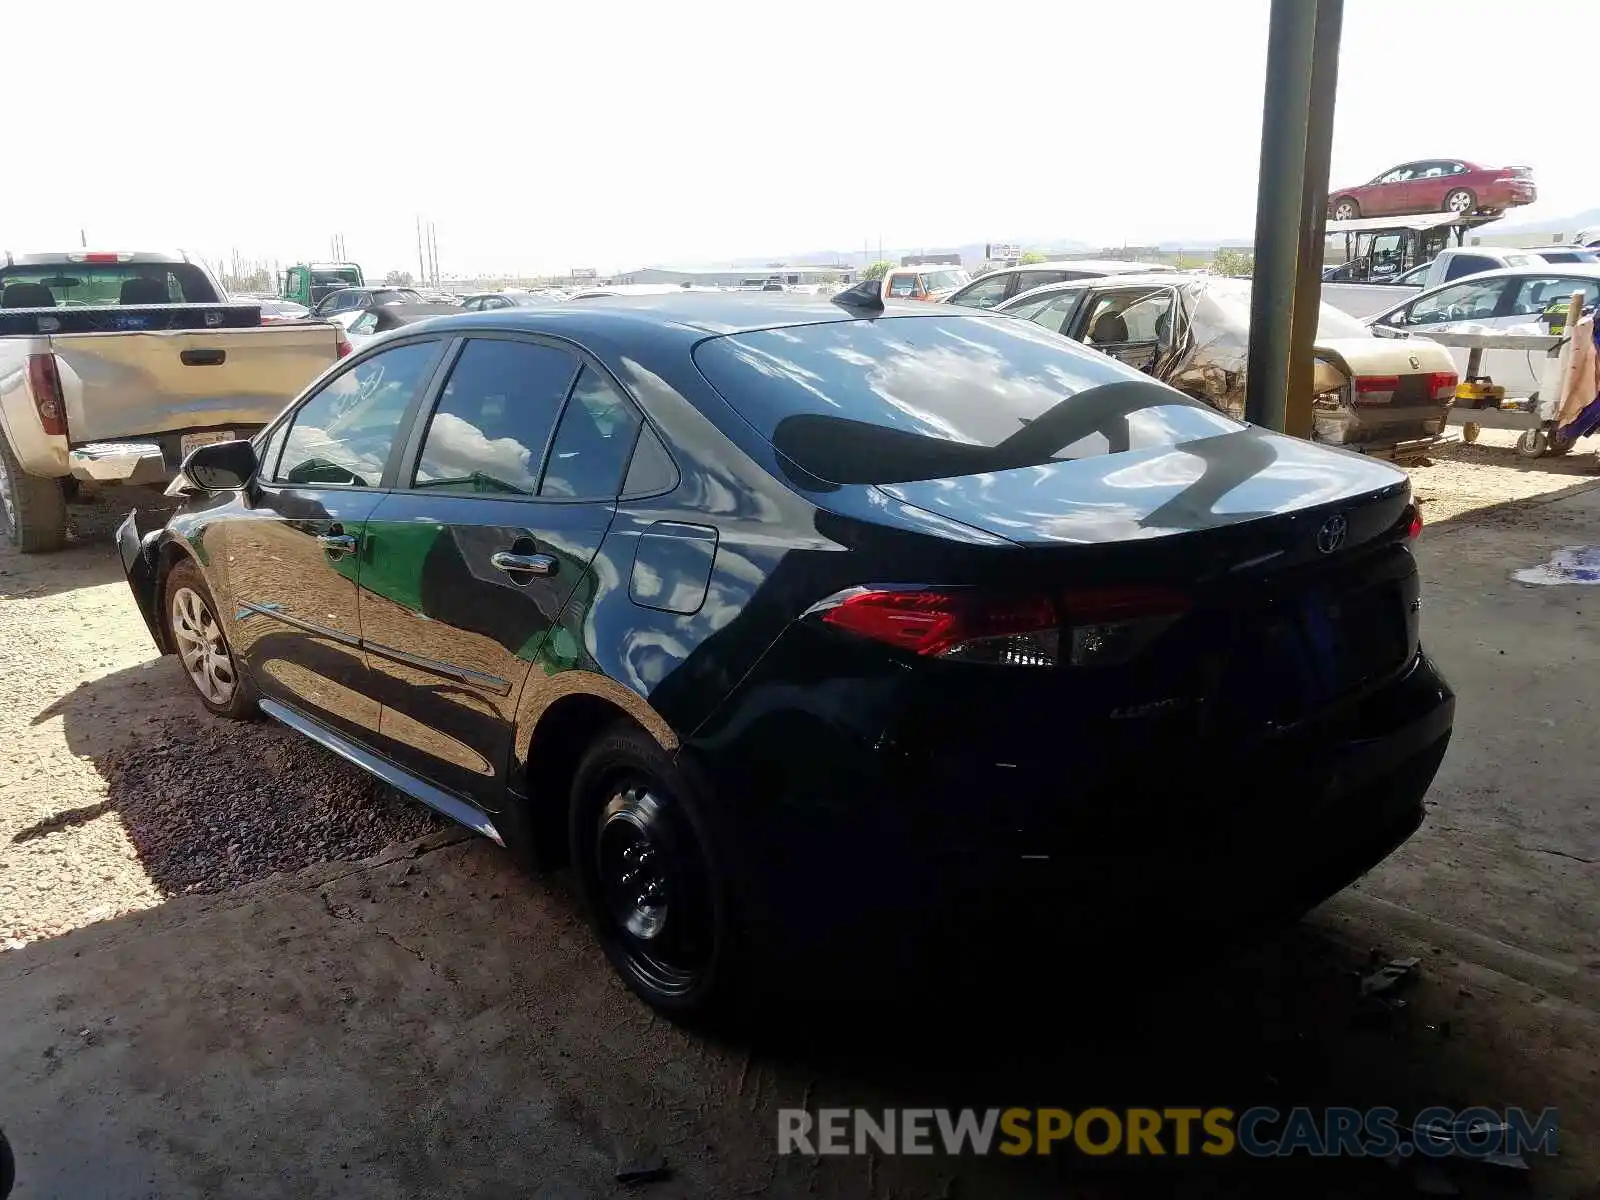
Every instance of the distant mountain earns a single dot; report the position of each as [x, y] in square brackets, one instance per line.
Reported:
[971, 252]
[1586, 219]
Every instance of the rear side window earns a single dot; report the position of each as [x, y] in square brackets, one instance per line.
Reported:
[488, 432]
[904, 398]
[1468, 264]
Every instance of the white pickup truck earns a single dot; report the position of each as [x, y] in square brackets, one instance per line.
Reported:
[1363, 299]
[113, 366]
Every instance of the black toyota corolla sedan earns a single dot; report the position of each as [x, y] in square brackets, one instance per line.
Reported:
[780, 619]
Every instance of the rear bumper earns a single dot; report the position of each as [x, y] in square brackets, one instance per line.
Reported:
[905, 839]
[148, 459]
[119, 462]
[140, 566]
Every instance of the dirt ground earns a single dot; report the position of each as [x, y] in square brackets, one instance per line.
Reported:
[418, 1019]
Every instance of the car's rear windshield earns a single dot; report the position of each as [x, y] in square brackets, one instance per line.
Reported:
[79, 284]
[905, 398]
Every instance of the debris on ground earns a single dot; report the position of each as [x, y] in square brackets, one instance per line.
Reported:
[644, 1169]
[1390, 976]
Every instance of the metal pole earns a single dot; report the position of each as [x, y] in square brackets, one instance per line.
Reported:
[1283, 159]
[1313, 216]
[422, 264]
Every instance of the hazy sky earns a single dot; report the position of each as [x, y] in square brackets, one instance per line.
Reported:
[539, 136]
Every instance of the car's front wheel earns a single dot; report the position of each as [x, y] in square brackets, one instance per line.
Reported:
[1461, 202]
[1347, 209]
[202, 644]
[652, 885]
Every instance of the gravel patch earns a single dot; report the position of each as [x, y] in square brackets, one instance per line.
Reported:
[1460, 479]
[215, 804]
[117, 789]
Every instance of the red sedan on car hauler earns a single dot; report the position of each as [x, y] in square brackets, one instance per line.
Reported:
[1435, 185]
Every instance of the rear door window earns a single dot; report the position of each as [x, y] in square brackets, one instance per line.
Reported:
[904, 398]
[1533, 296]
[593, 441]
[488, 432]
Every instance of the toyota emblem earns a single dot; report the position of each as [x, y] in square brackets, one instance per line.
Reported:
[1332, 534]
[1416, 363]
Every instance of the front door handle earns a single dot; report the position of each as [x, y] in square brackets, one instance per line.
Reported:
[337, 543]
[523, 564]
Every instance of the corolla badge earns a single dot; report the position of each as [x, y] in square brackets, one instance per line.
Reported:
[1332, 534]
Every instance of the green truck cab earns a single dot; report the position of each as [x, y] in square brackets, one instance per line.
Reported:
[307, 283]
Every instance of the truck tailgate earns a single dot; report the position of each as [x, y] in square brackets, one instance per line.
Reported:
[132, 384]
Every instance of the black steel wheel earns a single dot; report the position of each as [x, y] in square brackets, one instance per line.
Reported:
[648, 873]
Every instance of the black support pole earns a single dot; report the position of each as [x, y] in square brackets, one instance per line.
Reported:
[1284, 120]
[1313, 215]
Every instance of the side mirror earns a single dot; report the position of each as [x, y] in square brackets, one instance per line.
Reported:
[221, 466]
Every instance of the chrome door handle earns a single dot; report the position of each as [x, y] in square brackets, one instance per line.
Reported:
[337, 543]
[523, 564]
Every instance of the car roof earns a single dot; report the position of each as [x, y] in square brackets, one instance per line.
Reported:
[1126, 279]
[1578, 270]
[1107, 266]
[693, 314]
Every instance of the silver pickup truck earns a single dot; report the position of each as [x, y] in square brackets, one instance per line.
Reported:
[114, 366]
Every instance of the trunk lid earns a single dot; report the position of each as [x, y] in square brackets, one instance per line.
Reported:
[1242, 495]
[134, 384]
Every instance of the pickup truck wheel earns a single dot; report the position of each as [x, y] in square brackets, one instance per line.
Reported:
[1461, 202]
[33, 510]
[202, 646]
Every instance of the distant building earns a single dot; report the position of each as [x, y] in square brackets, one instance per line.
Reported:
[739, 276]
[931, 260]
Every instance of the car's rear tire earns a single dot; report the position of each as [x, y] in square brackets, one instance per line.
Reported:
[202, 644]
[33, 510]
[652, 879]
[1461, 202]
[1346, 208]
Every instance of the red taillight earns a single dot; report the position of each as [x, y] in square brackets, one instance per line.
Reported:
[98, 257]
[1086, 627]
[44, 381]
[1414, 526]
[1442, 385]
[344, 345]
[1374, 389]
